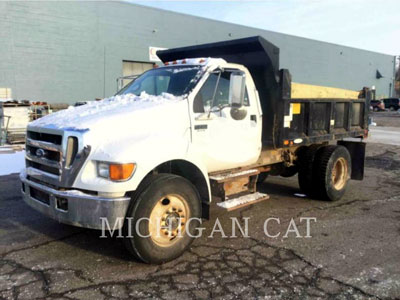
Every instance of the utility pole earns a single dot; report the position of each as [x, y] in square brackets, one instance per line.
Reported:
[397, 77]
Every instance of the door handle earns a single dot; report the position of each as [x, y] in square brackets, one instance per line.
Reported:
[200, 126]
[253, 118]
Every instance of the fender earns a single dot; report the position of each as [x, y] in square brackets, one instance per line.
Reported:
[148, 153]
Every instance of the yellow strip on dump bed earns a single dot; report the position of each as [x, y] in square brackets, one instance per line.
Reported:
[301, 90]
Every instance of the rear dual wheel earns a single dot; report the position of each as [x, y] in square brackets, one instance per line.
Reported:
[305, 164]
[284, 172]
[327, 173]
[262, 177]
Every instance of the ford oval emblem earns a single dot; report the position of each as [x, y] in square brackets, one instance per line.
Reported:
[40, 153]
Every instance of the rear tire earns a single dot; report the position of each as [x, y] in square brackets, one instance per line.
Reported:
[289, 171]
[165, 199]
[262, 177]
[305, 166]
[331, 172]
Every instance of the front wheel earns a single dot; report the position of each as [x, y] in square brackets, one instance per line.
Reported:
[158, 219]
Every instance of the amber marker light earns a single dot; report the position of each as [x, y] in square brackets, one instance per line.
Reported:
[120, 172]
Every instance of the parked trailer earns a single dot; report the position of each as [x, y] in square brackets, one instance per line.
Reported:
[211, 123]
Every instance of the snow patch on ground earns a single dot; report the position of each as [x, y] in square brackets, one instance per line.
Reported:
[12, 162]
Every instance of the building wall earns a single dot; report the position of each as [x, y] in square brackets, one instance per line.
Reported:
[70, 51]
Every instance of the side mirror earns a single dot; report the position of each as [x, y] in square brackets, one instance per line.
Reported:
[236, 96]
[236, 89]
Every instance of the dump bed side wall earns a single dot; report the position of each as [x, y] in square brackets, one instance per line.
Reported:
[316, 120]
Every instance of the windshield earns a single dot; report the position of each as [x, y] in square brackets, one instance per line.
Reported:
[176, 80]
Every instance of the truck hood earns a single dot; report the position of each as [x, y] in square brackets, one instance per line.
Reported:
[121, 116]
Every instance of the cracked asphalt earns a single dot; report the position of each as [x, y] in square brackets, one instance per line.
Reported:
[354, 251]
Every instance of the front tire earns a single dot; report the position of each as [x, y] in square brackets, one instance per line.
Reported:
[331, 172]
[164, 206]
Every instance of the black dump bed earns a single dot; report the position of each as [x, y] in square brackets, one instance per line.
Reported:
[286, 121]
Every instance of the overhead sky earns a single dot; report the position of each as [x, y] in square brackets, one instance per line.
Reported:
[367, 24]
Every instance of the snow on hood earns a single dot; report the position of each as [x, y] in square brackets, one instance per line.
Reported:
[122, 117]
[85, 117]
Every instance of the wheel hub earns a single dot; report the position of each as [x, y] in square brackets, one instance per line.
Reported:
[339, 174]
[167, 220]
[172, 220]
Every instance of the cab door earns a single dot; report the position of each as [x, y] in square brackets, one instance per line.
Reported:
[222, 141]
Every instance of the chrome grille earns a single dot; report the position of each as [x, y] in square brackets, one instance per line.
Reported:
[44, 155]
[54, 157]
[72, 150]
[55, 139]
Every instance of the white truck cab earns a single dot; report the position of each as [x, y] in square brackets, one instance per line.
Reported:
[140, 129]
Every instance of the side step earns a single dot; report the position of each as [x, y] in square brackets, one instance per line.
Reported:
[230, 184]
[243, 201]
[224, 177]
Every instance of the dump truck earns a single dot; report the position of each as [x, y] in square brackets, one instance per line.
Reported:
[208, 125]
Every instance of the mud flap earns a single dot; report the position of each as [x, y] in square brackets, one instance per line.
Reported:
[357, 153]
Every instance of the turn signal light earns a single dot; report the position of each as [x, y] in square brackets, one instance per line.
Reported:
[121, 171]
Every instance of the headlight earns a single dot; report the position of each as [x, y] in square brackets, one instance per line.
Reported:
[116, 172]
[103, 170]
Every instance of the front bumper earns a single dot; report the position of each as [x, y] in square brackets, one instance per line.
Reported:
[75, 207]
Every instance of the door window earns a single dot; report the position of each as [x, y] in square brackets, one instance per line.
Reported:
[215, 92]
